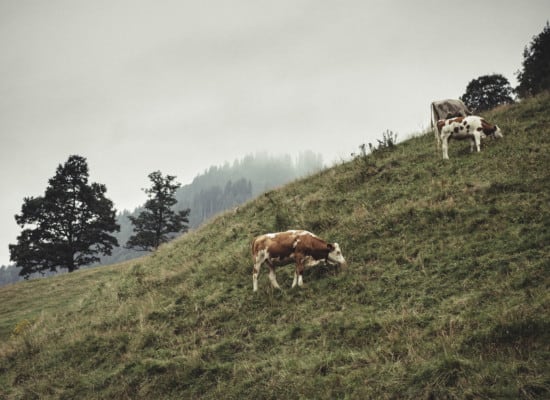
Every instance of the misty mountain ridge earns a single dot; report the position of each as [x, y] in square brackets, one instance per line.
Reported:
[220, 188]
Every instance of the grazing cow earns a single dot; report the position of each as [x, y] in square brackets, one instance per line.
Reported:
[471, 127]
[282, 248]
[446, 109]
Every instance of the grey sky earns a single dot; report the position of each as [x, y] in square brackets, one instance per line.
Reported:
[177, 86]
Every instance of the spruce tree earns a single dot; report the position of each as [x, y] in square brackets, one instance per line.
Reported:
[158, 222]
[535, 76]
[68, 226]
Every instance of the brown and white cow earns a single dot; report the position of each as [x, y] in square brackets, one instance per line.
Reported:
[299, 246]
[471, 127]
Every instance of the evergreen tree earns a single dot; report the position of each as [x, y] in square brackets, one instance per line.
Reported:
[535, 76]
[487, 92]
[68, 226]
[158, 222]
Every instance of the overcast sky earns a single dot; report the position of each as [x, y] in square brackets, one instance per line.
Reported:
[137, 86]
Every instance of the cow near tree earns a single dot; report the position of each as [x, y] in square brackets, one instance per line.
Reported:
[158, 223]
[68, 226]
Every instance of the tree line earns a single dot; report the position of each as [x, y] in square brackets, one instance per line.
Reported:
[489, 91]
[73, 223]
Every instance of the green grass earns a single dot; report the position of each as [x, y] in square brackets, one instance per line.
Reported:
[446, 295]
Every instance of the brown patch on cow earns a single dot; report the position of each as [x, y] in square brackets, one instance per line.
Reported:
[313, 246]
[280, 246]
[283, 247]
[487, 128]
[457, 119]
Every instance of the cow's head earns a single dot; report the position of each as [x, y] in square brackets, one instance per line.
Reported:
[335, 255]
[498, 132]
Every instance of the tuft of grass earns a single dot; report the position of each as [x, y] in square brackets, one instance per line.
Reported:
[446, 294]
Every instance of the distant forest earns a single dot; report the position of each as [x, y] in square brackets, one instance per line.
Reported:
[217, 189]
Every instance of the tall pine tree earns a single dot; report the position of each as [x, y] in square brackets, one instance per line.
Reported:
[535, 76]
[158, 223]
[68, 226]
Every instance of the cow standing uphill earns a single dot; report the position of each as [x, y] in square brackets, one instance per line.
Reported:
[299, 246]
[471, 127]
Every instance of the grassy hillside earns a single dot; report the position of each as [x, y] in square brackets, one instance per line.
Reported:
[446, 295]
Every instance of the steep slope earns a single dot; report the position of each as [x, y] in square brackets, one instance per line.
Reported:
[446, 294]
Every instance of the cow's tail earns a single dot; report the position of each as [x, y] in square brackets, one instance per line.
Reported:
[252, 246]
[434, 128]
[433, 123]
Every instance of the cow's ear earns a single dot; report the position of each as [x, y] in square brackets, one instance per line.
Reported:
[330, 246]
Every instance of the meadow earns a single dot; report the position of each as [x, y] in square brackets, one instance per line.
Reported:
[446, 295]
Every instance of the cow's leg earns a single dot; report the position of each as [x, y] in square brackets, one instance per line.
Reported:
[445, 146]
[272, 277]
[298, 272]
[260, 259]
[255, 273]
[437, 137]
[295, 281]
[477, 140]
